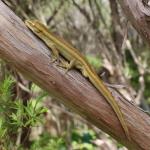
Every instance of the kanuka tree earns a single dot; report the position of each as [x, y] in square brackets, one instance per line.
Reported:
[25, 52]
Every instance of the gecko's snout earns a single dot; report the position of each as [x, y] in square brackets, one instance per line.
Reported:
[29, 23]
[34, 25]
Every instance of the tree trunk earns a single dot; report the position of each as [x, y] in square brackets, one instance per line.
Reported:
[24, 51]
[138, 13]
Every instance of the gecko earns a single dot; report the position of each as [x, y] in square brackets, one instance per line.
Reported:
[77, 60]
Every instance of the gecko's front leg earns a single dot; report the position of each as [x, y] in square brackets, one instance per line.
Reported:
[55, 52]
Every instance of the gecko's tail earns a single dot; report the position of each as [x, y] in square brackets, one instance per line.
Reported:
[98, 83]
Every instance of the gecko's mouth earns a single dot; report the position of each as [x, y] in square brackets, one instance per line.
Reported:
[29, 23]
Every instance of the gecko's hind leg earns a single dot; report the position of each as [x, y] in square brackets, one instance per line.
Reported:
[66, 65]
[84, 72]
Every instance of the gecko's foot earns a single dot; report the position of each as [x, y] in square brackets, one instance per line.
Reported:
[53, 60]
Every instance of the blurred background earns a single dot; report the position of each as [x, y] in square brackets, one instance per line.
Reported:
[30, 118]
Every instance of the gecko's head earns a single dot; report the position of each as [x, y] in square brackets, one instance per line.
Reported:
[36, 26]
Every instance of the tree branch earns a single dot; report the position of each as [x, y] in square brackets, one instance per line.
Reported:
[138, 14]
[24, 51]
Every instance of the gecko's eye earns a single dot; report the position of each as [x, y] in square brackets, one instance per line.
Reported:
[38, 31]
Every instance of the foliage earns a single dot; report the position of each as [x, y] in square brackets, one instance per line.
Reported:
[14, 115]
[94, 61]
[46, 142]
[80, 140]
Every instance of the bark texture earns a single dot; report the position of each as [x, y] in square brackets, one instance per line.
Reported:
[20, 48]
[138, 13]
